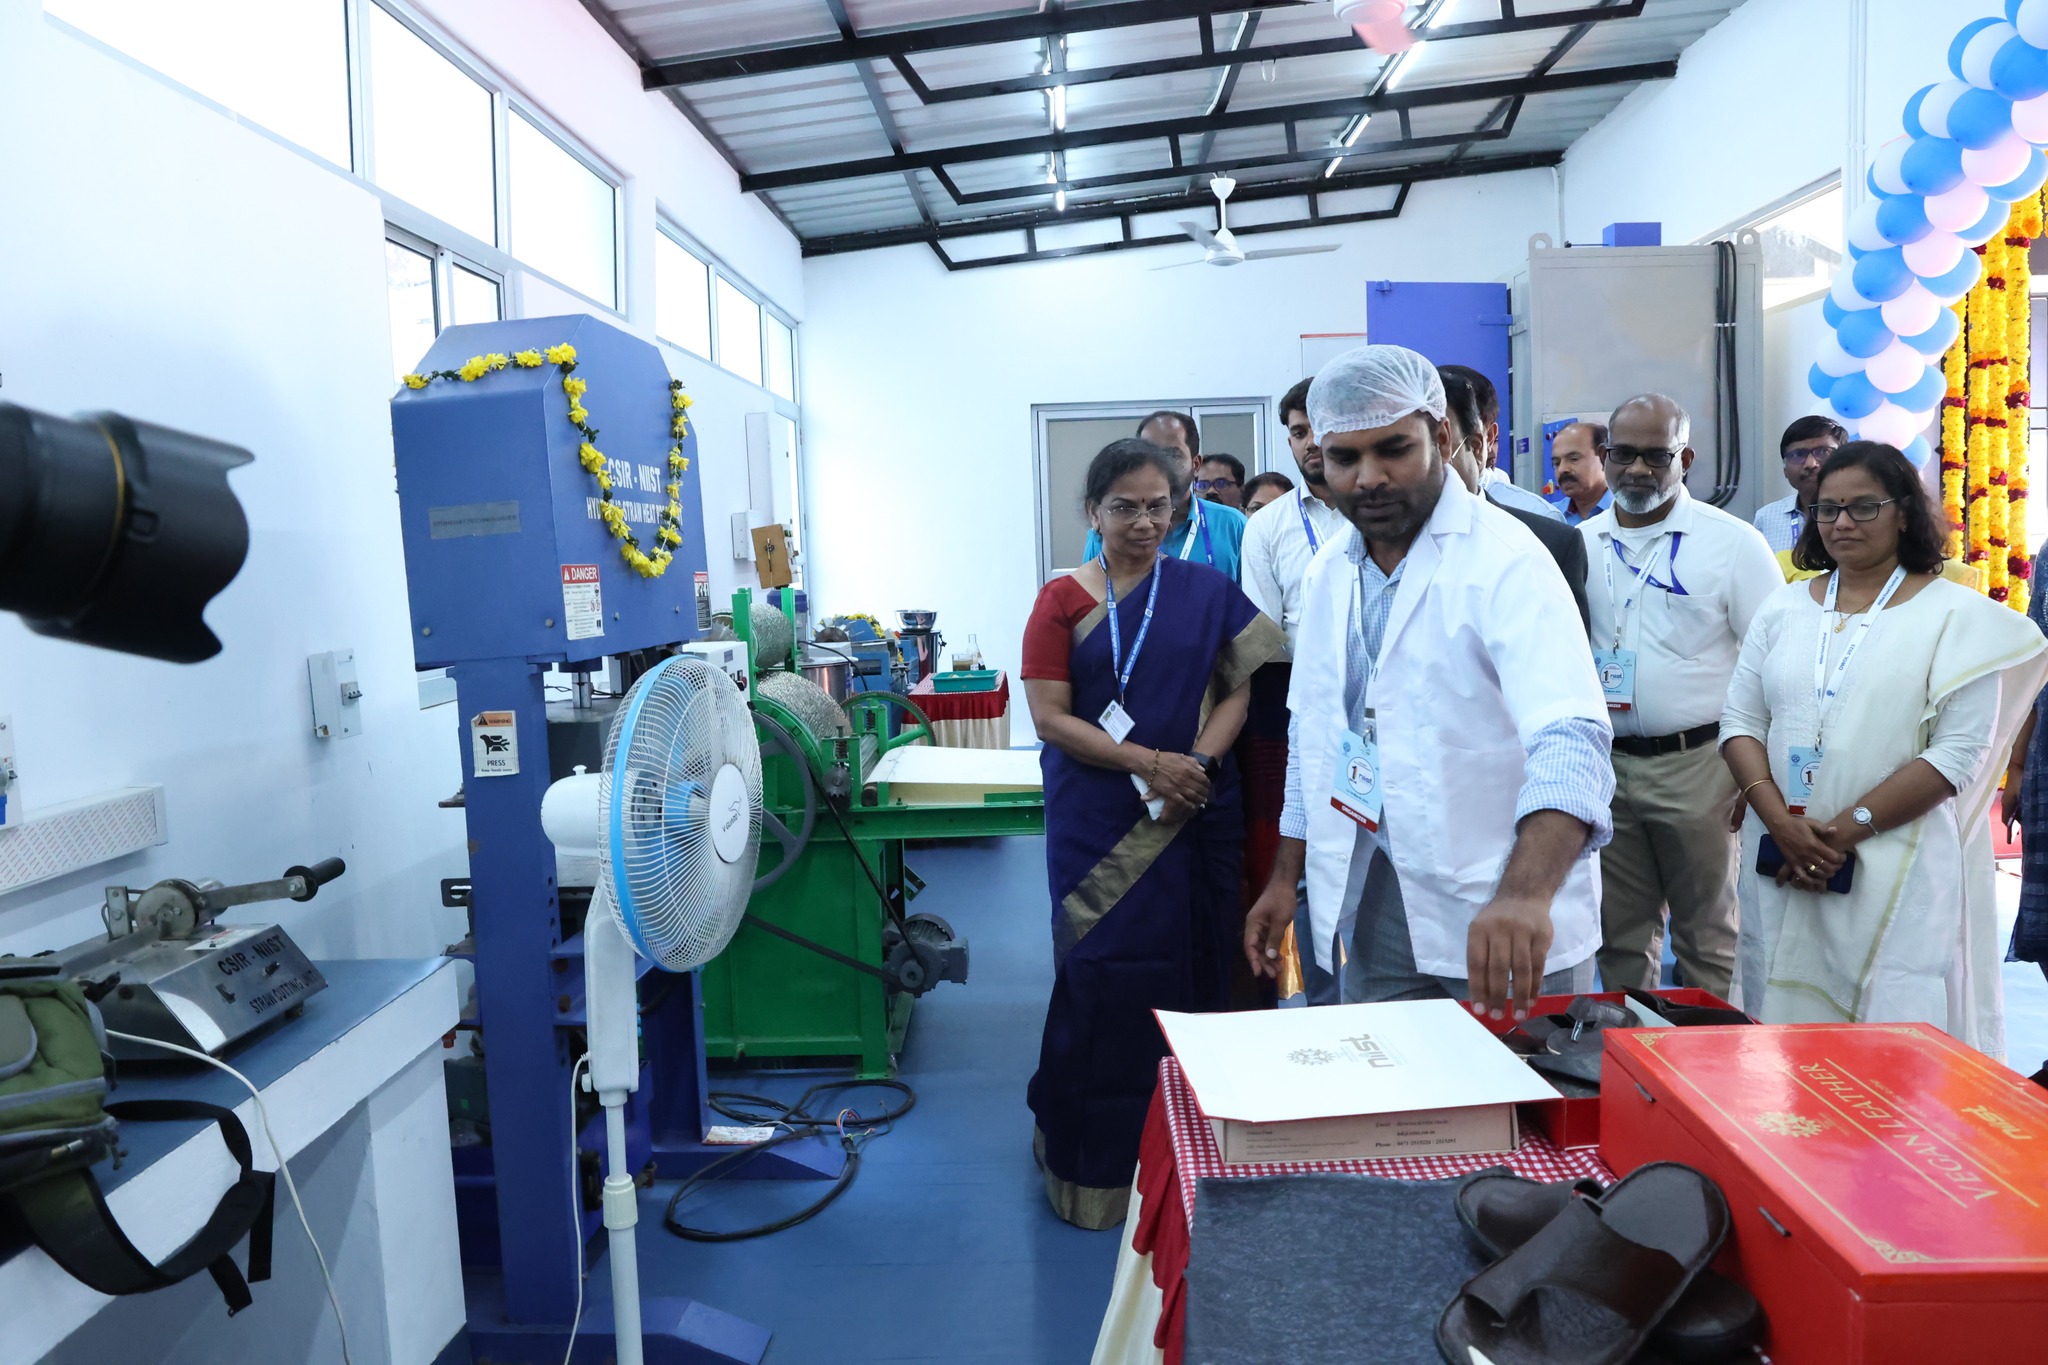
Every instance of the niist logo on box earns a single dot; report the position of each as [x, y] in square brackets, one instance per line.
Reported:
[1370, 1051]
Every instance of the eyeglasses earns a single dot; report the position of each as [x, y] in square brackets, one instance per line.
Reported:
[1863, 509]
[1621, 457]
[1129, 514]
[1214, 485]
[1812, 455]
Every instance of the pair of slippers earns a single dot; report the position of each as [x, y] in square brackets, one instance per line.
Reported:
[1583, 1276]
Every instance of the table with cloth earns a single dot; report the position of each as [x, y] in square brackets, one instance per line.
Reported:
[967, 720]
[1145, 1323]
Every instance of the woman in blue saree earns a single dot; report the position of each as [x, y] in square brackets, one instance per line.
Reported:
[1137, 669]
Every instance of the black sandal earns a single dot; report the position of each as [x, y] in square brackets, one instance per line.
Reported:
[1715, 1322]
[1590, 1286]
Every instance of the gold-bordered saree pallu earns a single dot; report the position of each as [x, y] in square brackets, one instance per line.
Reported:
[1145, 914]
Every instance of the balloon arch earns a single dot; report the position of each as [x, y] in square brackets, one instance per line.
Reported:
[1932, 314]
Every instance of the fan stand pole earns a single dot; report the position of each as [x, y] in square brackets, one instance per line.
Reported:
[621, 1214]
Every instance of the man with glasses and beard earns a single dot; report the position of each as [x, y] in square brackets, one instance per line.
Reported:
[1447, 773]
[1279, 542]
[1673, 588]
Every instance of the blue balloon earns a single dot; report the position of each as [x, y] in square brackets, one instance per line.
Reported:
[1882, 276]
[1863, 333]
[2024, 185]
[1903, 218]
[1932, 165]
[1994, 220]
[1936, 340]
[1980, 118]
[1855, 397]
[1856, 253]
[1918, 452]
[1821, 382]
[2020, 70]
[1831, 312]
[1959, 281]
[1914, 127]
[1926, 393]
[1962, 43]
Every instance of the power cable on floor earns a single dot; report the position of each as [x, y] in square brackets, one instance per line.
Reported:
[796, 1121]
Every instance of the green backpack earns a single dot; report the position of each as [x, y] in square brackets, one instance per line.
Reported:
[56, 1124]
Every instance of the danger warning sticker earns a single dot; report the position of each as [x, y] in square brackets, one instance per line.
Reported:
[582, 601]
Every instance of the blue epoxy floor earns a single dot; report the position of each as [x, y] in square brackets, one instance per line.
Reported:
[944, 1249]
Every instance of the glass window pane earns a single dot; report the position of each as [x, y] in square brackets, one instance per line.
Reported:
[472, 297]
[282, 64]
[739, 332]
[564, 215]
[781, 357]
[409, 285]
[682, 297]
[430, 129]
[1803, 247]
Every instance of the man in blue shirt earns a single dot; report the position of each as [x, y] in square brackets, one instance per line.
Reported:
[1804, 447]
[1579, 454]
[1204, 532]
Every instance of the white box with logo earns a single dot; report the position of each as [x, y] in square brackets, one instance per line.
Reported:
[1352, 1082]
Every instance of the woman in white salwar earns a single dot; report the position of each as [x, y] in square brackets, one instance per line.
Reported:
[1860, 722]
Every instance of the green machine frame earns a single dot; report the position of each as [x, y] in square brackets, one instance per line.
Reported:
[775, 994]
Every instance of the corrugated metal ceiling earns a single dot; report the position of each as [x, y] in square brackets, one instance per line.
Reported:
[794, 91]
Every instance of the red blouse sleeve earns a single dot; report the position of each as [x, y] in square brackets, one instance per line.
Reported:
[1049, 634]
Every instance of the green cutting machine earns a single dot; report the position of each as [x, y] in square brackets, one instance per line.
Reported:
[831, 953]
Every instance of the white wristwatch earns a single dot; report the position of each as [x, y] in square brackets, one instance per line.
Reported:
[1862, 816]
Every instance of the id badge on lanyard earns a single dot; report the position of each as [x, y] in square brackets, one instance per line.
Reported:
[1198, 522]
[1802, 762]
[1617, 666]
[1115, 720]
[1355, 785]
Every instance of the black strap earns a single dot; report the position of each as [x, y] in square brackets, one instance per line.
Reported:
[68, 1217]
[1578, 1253]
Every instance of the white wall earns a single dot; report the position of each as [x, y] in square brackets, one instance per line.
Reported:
[918, 406]
[185, 269]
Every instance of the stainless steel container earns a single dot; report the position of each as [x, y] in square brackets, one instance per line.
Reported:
[828, 670]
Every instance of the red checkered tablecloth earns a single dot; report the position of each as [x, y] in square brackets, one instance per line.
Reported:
[1177, 1152]
[962, 705]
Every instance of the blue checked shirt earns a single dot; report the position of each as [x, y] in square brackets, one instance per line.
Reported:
[1780, 522]
[1568, 766]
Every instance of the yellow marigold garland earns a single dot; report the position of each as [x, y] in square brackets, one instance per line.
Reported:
[668, 532]
[1997, 506]
[2019, 395]
[1977, 437]
[1955, 367]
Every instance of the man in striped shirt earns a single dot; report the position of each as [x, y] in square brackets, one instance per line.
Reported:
[1804, 447]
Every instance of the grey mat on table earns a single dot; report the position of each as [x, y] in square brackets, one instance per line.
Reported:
[1308, 1269]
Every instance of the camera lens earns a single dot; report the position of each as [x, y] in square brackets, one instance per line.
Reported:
[117, 533]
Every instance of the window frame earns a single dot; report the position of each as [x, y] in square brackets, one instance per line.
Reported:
[718, 270]
[510, 106]
[1753, 221]
[665, 227]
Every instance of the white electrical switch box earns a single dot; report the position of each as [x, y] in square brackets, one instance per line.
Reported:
[337, 697]
[10, 781]
[727, 656]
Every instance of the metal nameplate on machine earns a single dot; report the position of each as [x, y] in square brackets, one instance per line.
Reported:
[168, 970]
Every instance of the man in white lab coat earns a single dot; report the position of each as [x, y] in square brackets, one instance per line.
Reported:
[1448, 769]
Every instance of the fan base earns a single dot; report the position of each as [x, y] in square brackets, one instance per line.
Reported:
[674, 1331]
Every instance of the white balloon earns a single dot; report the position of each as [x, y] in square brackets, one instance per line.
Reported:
[1896, 368]
[1983, 230]
[1833, 360]
[1885, 166]
[1911, 313]
[1845, 295]
[1959, 208]
[1890, 424]
[2030, 119]
[1935, 254]
[1998, 164]
[1934, 109]
[2032, 19]
[1863, 233]
[1978, 52]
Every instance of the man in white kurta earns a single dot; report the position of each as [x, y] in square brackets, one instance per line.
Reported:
[1440, 629]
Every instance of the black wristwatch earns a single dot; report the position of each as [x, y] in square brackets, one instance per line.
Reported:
[1211, 767]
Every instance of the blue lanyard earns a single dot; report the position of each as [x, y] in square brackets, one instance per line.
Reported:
[1301, 506]
[1197, 522]
[1118, 664]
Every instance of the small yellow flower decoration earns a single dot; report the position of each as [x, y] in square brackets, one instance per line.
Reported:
[668, 532]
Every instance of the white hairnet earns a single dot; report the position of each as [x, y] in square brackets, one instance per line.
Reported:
[1372, 387]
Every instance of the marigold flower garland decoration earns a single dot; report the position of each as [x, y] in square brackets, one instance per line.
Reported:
[668, 532]
[1984, 417]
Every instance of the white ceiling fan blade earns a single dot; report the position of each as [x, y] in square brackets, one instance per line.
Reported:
[1178, 264]
[1289, 251]
[1200, 234]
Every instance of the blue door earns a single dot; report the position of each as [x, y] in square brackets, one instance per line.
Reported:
[1452, 324]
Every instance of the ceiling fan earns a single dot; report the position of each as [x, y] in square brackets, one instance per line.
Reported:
[1220, 247]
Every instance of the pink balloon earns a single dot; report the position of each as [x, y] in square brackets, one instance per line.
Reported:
[1911, 313]
[1356, 12]
[1896, 368]
[2030, 120]
[1935, 254]
[1959, 208]
[1998, 164]
[1392, 35]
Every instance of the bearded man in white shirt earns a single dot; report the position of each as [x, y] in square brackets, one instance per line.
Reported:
[1673, 587]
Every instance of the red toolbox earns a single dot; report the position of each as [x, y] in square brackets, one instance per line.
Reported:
[1889, 1185]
